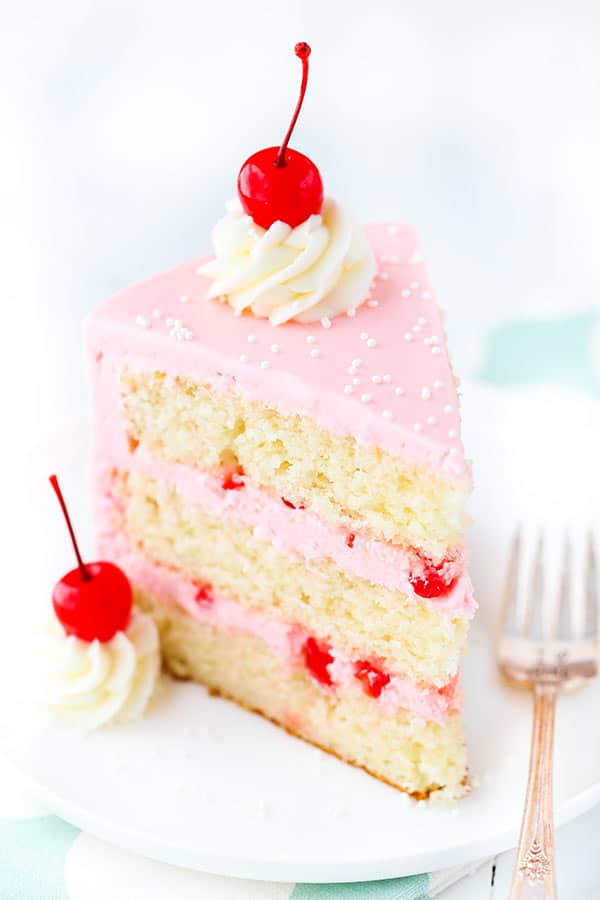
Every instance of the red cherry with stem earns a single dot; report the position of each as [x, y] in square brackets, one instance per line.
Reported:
[93, 601]
[279, 184]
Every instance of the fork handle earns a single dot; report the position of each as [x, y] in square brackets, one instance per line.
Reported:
[533, 874]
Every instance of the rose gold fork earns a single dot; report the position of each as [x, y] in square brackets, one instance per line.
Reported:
[545, 653]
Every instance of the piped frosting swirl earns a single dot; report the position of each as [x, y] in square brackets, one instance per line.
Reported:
[317, 270]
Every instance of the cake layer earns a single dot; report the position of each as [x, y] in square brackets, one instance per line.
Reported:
[408, 635]
[416, 756]
[346, 483]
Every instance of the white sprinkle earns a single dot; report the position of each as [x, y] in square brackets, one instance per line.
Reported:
[251, 338]
[363, 335]
[408, 336]
[184, 298]
[142, 321]
[356, 381]
[394, 259]
[274, 348]
[387, 378]
[348, 388]
[452, 433]
[416, 257]
[417, 426]
[425, 393]
[351, 313]
[448, 408]
[315, 352]
[414, 285]
[376, 379]
[372, 304]
[392, 229]
[434, 339]
[357, 362]
[310, 338]
[416, 328]
[422, 320]
[399, 391]
[371, 342]
[265, 364]
[405, 292]
[176, 323]
[170, 322]
[365, 398]
[156, 313]
[326, 322]
[243, 358]
[453, 451]
[384, 276]
[431, 420]
[435, 350]
[426, 295]
[387, 414]
[438, 384]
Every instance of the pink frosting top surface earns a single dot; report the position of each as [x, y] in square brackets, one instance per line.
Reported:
[381, 375]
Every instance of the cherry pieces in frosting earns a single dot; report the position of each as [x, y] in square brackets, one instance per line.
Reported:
[94, 600]
[317, 659]
[373, 679]
[432, 582]
[279, 184]
[204, 596]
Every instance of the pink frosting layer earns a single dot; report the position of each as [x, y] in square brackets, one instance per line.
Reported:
[430, 703]
[299, 533]
[382, 376]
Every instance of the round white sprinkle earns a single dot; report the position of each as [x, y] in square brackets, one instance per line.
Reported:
[405, 292]
[356, 381]
[422, 320]
[251, 338]
[351, 313]
[156, 313]
[310, 339]
[384, 276]
[243, 358]
[438, 384]
[170, 322]
[315, 352]
[357, 362]
[414, 285]
[184, 298]
[425, 393]
[365, 398]
[399, 391]
[452, 433]
[387, 414]
[348, 388]
[363, 335]
[416, 328]
[453, 451]
[326, 322]
[371, 342]
[392, 229]
[177, 323]
[435, 350]
[274, 348]
[387, 378]
[417, 426]
[142, 321]
[434, 339]
[408, 336]
[265, 364]
[431, 420]
[376, 379]
[373, 304]
[448, 408]
[426, 295]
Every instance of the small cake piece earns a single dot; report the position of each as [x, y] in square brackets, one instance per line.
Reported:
[279, 472]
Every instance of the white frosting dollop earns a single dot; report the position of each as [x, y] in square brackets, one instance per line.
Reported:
[89, 684]
[317, 270]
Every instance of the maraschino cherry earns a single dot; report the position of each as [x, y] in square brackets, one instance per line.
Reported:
[278, 183]
[94, 600]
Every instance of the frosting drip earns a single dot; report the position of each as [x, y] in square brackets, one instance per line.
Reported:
[317, 270]
[92, 684]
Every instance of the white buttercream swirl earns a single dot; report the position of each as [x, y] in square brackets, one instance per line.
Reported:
[89, 684]
[317, 270]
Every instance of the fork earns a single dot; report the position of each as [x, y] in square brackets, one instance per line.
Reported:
[546, 654]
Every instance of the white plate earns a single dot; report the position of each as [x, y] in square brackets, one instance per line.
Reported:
[201, 783]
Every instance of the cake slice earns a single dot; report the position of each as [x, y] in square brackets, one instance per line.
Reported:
[288, 500]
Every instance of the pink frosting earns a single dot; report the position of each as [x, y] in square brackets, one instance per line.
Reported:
[426, 702]
[382, 376]
[297, 533]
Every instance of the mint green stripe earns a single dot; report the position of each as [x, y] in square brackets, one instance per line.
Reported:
[32, 858]
[414, 888]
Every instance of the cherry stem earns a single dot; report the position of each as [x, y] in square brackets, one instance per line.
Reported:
[302, 51]
[84, 572]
